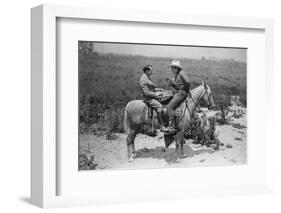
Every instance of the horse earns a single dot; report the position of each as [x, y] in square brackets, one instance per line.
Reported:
[136, 114]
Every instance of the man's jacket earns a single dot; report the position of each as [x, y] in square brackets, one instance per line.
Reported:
[181, 83]
[147, 87]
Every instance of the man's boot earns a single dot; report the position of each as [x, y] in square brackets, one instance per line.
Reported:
[161, 122]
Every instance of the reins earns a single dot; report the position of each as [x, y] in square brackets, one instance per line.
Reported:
[197, 107]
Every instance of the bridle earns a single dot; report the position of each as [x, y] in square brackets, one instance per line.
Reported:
[209, 96]
[197, 107]
[206, 93]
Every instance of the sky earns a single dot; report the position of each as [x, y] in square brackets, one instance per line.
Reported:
[238, 54]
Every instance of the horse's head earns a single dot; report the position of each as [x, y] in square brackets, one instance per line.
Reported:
[208, 97]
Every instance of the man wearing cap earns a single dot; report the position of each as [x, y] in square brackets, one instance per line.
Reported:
[150, 96]
[181, 84]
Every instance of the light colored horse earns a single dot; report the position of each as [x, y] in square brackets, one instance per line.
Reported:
[136, 114]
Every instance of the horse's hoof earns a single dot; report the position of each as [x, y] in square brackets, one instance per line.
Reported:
[183, 156]
[177, 160]
[130, 160]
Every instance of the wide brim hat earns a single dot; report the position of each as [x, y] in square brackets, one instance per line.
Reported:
[175, 63]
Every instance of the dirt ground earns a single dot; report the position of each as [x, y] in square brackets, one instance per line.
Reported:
[151, 151]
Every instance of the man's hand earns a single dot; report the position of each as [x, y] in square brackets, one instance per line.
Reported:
[158, 89]
[159, 95]
[170, 81]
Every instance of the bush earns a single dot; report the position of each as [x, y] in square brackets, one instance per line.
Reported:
[86, 161]
[202, 131]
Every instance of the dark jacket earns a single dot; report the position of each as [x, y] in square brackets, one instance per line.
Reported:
[181, 83]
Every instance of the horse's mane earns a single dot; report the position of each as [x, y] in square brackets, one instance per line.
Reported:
[196, 89]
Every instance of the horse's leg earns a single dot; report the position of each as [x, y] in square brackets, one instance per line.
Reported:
[177, 148]
[183, 155]
[179, 145]
[176, 155]
[130, 145]
[134, 149]
[129, 152]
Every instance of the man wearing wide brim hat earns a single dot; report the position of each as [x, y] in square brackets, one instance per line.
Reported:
[181, 84]
[175, 63]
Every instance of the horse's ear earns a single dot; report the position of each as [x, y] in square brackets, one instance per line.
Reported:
[204, 84]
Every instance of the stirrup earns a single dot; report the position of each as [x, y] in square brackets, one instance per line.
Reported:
[163, 129]
[171, 130]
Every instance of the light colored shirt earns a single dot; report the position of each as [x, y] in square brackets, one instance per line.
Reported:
[147, 87]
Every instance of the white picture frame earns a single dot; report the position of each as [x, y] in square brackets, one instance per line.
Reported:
[44, 101]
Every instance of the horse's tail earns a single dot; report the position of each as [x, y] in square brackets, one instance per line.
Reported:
[126, 122]
[134, 115]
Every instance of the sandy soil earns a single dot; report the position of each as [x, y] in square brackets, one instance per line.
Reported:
[151, 151]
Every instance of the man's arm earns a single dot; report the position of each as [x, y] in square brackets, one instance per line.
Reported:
[145, 90]
[148, 92]
[186, 80]
[171, 82]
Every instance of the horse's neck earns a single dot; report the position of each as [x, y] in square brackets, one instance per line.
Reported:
[196, 94]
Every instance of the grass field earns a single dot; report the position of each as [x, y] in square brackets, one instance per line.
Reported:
[107, 82]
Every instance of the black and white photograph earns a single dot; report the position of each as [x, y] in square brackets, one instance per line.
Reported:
[157, 106]
[143, 106]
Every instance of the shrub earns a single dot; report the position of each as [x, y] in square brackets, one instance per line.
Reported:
[202, 131]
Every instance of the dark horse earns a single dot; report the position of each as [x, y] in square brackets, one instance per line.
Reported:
[136, 114]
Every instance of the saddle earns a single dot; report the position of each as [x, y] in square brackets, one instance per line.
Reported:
[166, 97]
